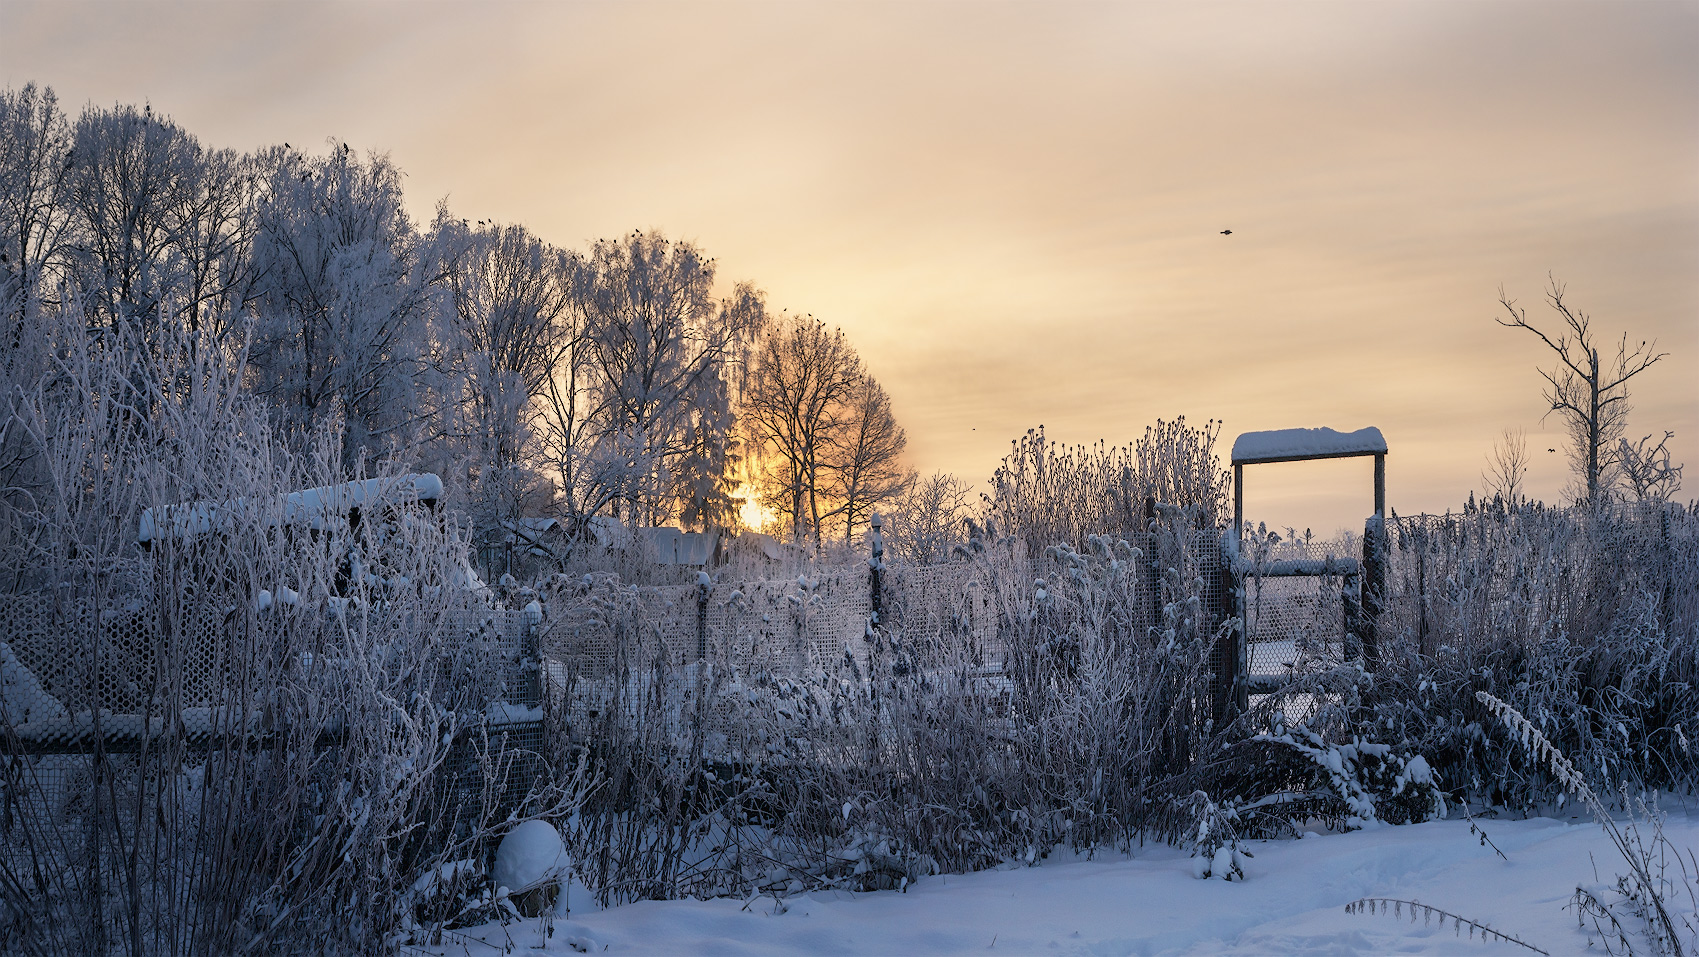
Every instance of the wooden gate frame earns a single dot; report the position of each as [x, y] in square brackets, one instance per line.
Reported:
[1307, 445]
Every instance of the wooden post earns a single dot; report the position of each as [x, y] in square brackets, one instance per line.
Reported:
[876, 567]
[1238, 501]
[1380, 485]
[703, 587]
[1228, 688]
[1374, 587]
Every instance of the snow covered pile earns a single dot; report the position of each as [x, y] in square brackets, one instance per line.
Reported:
[529, 856]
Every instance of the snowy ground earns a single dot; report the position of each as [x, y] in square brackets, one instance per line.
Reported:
[1293, 902]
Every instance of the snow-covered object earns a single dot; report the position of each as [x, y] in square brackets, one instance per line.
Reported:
[309, 506]
[22, 698]
[533, 612]
[529, 856]
[1287, 444]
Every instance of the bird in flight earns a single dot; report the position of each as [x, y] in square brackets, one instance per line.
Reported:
[1227, 232]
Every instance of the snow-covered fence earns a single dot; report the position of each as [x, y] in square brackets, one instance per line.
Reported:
[1531, 572]
[820, 622]
[52, 686]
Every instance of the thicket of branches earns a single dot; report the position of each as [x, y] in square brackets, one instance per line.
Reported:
[268, 696]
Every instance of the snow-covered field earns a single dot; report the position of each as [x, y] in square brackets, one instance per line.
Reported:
[1292, 902]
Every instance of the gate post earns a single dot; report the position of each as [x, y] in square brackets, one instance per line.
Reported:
[1230, 693]
[1374, 588]
[1152, 570]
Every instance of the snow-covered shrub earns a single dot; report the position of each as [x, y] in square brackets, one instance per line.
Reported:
[1650, 893]
[529, 866]
[1216, 851]
[938, 750]
[1373, 781]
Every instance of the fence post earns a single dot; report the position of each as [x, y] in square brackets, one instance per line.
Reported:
[1230, 692]
[704, 585]
[876, 567]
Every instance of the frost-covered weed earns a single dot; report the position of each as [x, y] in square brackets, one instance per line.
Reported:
[1587, 622]
[910, 754]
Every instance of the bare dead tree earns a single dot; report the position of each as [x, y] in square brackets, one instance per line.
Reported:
[1590, 394]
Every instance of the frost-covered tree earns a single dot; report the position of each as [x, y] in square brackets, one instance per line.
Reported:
[509, 299]
[1507, 466]
[927, 522]
[342, 298]
[35, 143]
[1587, 391]
[660, 347]
[1647, 472]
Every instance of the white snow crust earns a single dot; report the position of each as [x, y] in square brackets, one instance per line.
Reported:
[1292, 901]
[1290, 443]
[311, 506]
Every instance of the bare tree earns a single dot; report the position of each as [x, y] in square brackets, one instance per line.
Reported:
[866, 457]
[927, 521]
[1647, 471]
[1507, 466]
[804, 375]
[1590, 394]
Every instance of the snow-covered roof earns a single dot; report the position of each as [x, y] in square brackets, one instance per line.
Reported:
[308, 506]
[675, 547]
[1291, 445]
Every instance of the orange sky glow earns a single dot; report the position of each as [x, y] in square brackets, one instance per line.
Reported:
[1014, 209]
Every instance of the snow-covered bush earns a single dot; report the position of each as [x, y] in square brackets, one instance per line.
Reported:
[1216, 851]
[909, 755]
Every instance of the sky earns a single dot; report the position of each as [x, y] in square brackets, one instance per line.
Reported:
[1015, 209]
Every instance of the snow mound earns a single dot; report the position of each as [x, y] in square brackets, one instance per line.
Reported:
[1285, 444]
[529, 856]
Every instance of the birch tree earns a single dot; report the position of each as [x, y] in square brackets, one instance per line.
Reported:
[343, 299]
[660, 347]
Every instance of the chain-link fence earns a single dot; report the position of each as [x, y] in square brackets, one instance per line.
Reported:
[811, 625]
[81, 693]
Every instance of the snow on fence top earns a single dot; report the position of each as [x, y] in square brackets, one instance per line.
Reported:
[1289, 445]
[311, 506]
